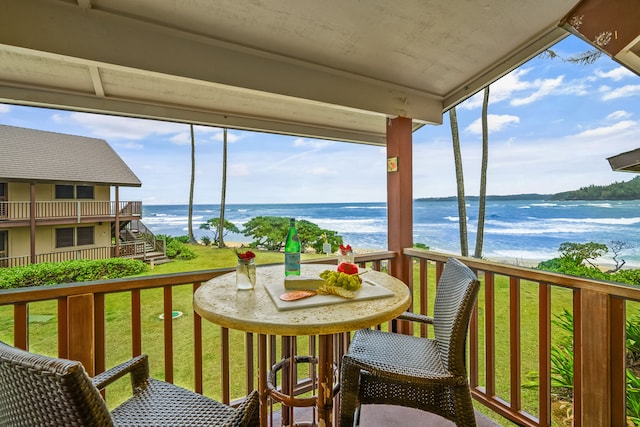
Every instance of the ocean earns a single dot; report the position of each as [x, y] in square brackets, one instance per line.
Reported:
[520, 230]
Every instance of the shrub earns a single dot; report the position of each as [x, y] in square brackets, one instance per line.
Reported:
[178, 250]
[52, 273]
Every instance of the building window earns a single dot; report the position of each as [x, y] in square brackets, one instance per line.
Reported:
[72, 236]
[64, 237]
[84, 192]
[64, 191]
[84, 236]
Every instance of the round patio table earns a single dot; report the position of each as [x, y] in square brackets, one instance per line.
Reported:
[254, 311]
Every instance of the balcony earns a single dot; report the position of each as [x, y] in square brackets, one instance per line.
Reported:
[19, 214]
[509, 366]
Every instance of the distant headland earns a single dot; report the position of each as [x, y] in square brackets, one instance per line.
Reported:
[629, 190]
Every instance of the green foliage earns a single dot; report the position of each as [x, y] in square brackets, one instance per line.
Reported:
[633, 338]
[206, 240]
[316, 236]
[573, 255]
[633, 398]
[270, 232]
[177, 249]
[577, 253]
[51, 273]
[561, 367]
[212, 225]
[562, 362]
[421, 246]
[629, 190]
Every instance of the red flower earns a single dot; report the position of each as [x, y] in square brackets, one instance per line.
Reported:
[348, 268]
[245, 256]
[345, 249]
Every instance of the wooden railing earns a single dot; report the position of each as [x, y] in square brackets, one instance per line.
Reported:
[500, 350]
[16, 211]
[511, 296]
[126, 250]
[102, 252]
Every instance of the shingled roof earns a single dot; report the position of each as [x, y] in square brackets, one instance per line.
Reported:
[38, 156]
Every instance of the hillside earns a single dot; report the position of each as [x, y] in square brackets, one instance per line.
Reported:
[626, 190]
[629, 190]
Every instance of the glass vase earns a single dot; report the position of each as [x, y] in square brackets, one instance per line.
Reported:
[245, 275]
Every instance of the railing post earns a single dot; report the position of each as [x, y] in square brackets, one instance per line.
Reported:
[81, 330]
[595, 359]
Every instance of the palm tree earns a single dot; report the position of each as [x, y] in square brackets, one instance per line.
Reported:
[482, 202]
[224, 189]
[192, 239]
[462, 208]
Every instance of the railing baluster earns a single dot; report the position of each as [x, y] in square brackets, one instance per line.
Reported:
[197, 347]
[21, 325]
[100, 333]
[63, 331]
[515, 358]
[224, 363]
[168, 334]
[424, 294]
[136, 324]
[544, 354]
[490, 334]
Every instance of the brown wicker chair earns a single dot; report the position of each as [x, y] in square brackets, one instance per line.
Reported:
[37, 390]
[428, 374]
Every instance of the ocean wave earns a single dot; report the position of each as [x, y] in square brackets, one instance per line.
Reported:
[543, 205]
[604, 221]
[364, 207]
[351, 225]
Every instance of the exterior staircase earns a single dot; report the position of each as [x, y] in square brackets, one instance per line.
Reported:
[138, 242]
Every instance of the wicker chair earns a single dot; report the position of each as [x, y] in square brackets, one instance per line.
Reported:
[43, 391]
[428, 374]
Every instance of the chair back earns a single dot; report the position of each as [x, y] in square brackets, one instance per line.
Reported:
[456, 295]
[37, 390]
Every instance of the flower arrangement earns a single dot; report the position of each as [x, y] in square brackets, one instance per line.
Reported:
[245, 270]
[245, 257]
[345, 250]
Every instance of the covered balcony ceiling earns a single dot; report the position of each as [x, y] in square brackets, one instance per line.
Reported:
[334, 69]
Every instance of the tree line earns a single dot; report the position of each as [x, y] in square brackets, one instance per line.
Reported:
[629, 190]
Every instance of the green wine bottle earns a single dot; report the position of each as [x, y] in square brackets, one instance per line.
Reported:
[292, 251]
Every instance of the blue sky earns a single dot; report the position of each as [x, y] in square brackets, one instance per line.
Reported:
[552, 125]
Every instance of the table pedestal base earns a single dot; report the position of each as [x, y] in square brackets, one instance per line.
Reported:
[324, 382]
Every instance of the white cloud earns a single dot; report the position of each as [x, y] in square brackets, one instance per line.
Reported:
[544, 87]
[232, 137]
[312, 143]
[500, 90]
[621, 92]
[322, 171]
[495, 123]
[619, 115]
[607, 130]
[615, 74]
[130, 145]
[122, 127]
[238, 169]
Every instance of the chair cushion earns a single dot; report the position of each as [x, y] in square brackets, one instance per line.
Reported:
[163, 404]
[397, 355]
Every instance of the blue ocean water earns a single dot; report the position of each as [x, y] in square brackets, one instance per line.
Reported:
[517, 229]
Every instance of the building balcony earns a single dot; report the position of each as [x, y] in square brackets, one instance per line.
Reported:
[511, 337]
[20, 214]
